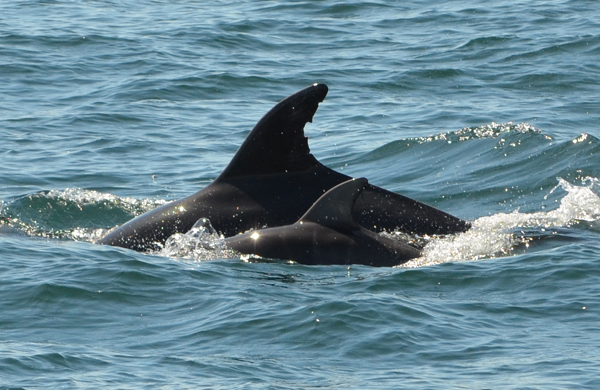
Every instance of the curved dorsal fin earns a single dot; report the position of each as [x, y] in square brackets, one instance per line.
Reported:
[277, 143]
[334, 208]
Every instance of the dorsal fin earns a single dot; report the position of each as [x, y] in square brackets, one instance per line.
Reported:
[277, 143]
[334, 208]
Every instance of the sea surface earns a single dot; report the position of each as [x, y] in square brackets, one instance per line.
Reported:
[487, 110]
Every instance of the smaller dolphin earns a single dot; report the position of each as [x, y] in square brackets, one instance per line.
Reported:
[327, 234]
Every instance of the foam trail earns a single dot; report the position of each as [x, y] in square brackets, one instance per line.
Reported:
[494, 235]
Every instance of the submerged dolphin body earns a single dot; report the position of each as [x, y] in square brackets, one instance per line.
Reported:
[271, 181]
[327, 234]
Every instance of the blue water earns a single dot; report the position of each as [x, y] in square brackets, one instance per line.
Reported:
[486, 110]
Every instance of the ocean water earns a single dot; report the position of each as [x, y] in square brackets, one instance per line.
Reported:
[489, 111]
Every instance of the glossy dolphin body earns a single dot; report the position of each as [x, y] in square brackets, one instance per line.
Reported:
[327, 234]
[271, 181]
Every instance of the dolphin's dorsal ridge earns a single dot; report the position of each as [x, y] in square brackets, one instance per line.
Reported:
[334, 208]
[277, 143]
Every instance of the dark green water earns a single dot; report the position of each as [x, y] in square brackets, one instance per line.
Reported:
[487, 111]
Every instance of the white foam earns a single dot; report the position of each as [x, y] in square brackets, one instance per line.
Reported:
[498, 234]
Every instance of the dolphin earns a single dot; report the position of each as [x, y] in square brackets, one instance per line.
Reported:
[327, 234]
[271, 181]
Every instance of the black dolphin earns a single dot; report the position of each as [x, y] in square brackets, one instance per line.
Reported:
[327, 234]
[271, 181]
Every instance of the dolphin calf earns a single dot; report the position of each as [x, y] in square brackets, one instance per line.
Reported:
[327, 234]
[271, 181]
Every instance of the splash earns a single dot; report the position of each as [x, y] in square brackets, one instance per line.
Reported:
[499, 234]
[201, 243]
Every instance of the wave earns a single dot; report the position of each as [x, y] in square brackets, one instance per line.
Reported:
[489, 169]
[73, 213]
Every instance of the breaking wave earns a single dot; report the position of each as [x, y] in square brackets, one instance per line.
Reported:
[73, 213]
